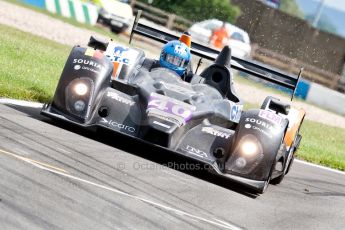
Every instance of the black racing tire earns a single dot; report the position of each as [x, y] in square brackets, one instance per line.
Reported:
[100, 20]
[279, 179]
[296, 147]
[267, 182]
[290, 164]
[116, 30]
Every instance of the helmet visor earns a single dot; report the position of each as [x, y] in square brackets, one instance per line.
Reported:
[175, 60]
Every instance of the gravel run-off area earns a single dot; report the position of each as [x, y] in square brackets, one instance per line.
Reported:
[42, 25]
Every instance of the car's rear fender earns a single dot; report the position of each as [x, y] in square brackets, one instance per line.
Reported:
[88, 72]
[266, 130]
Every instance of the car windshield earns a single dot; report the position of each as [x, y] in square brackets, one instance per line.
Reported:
[237, 36]
[211, 25]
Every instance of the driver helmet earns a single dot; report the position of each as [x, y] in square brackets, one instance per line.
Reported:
[175, 56]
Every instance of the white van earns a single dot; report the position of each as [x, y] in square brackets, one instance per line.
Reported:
[116, 14]
[239, 41]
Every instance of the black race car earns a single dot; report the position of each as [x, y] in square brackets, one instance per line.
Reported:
[116, 87]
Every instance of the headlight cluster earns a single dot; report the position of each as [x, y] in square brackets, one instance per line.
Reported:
[246, 155]
[79, 94]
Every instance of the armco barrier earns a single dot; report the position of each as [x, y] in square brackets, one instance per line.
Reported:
[80, 11]
[326, 98]
[321, 96]
[318, 95]
[37, 3]
[302, 89]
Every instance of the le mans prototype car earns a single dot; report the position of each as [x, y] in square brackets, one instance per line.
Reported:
[112, 86]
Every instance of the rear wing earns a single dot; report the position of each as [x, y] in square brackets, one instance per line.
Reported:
[249, 67]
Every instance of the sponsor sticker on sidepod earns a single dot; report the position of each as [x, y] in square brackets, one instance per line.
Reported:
[215, 132]
[270, 116]
[122, 58]
[235, 112]
[120, 99]
[194, 151]
[85, 64]
[122, 54]
[118, 125]
[260, 123]
[261, 126]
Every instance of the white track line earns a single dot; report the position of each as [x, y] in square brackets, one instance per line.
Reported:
[54, 170]
[33, 162]
[217, 222]
[20, 103]
[321, 167]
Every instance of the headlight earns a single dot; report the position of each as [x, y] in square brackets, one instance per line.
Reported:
[249, 148]
[79, 106]
[246, 156]
[80, 89]
[241, 162]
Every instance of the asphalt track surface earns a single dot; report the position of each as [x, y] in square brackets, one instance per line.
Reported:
[55, 176]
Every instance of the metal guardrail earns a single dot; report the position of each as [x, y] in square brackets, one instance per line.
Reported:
[171, 21]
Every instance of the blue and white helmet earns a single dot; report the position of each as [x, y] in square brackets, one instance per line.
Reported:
[175, 56]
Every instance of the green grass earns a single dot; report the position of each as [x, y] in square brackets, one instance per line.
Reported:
[322, 144]
[30, 65]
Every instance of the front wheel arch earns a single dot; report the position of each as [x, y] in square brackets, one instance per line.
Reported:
[270, 139]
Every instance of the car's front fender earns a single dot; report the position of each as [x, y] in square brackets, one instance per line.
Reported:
[86, 74]
[257, 140]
